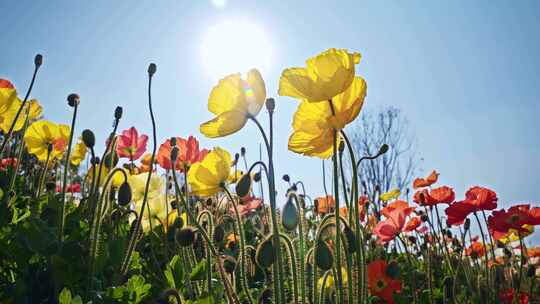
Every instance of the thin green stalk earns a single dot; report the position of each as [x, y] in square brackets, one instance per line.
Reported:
[44, 173]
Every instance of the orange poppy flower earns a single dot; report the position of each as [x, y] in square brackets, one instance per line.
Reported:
[325, 204]
[533, 252]
[476, 250]
[442, 195]
[380, 284]
[412, 224]
[426, 182]
[189, 153]
[395, 214]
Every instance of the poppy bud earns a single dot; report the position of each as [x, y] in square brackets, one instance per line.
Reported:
[242, 151]
[531, 271]
[118, 112]
[243, 185]
[467, 224]
[110, 160]
[270, 104]
[448, 233]
[424, 218]
[88, 138]
[289, 216]
[219, 234]
[229, 264]
[73, 100]
[257, 177]
[392, 270]
[152, 69]
[38, 60]
[185, 236]
[412, 239]
[209, 202]
[124, 194]
[286, 178]
[383, 149]
[377, 188]
[50, 148]
[324, 258]
[341, 147]
[351, 239]
[173, 141]
[116, 215]
[50, 186]
[265, 253]
[174, 154]
[95, 160]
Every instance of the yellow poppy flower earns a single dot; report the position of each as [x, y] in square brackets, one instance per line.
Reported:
[390, 195]
[138, 184]
[325, 76]
[43, 133]
[9, 114]
[116, 180]
[330, 280]
[78, 154]
[513, 235]
[314, 123]
[208, 176]
[233, 101]
[8, 95]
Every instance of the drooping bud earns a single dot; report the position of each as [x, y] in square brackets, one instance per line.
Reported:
[152, 69]
[323, 256]
[124, 194]
[88, 138]
[351, 238]
[383, 149]
[118, 112]
[467, 224]
[341, 147]
[229, 264]
[286, 178]
[257, 177]
[392, 270]
[265, 253]
[73, 100]
[243, 185]
[270, 104]
[289, 216]
[185, 236]
[38, 60]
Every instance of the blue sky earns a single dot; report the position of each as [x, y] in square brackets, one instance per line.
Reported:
[464, 73]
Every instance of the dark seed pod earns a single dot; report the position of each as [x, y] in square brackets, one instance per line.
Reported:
[449, 233]
[229, 264]
[257, 177]
[88, 138]
[178, 223]
[243, 185]
[392, 270]
[219, 234]
[38, 60]
[118, 112]
[350, 237]
[185, 236]
[174, 204]
[50, 186]
[289, 216]
[324, 258]
[152, 69]
[383, 149]
[243, 151]
[73, 100]
[110, 160]
[286, 178]
[270, 104]
[265, 253]
[124, 194]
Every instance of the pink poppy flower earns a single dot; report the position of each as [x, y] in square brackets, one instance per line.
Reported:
[130, 145]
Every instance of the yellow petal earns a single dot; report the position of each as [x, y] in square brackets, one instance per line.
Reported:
[224, 124]
[390, 195]
[348, 104]
[227, 95]
[256, 92]
[317, 145]
[206, 177]
[297, 83]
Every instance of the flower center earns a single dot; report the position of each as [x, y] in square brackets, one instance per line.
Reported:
[380, 285]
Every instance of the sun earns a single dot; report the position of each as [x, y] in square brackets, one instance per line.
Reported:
[235, 46]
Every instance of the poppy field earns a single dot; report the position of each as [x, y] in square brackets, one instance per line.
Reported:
[129, 219]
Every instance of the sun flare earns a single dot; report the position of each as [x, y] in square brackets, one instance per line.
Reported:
[235, 46]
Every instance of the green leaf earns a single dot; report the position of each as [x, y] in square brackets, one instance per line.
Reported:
[199, 272]
[65, 296]
[174, 273]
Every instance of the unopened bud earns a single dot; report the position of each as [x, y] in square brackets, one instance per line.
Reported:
[124, 194]
[286, 178]
[118, 112]
[95, 160]
[270, 104]
[173, 141]
[341, 147]
[88, 138]
[424, 218]
[73, 100]
[383, 149]
[467, 224]
[531, 271]
[257, 177]
[242, 151]
[174, 153]
[38, 60]
[185, 236]
[152, 69]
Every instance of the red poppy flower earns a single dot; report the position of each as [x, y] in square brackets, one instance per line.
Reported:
[442, 195]
[426, 182]
[481, 198]
[507, 297]
[422, 198]
[8, 162]
[130, 145]
[412, 224]
[189, 153]
[476, 250]
[324, 205]
[396, 214]
[380, 284]
[71, 188]
[501, 221]
[476, 199]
